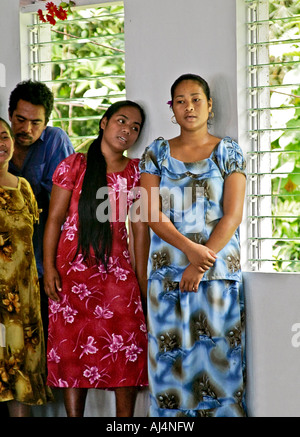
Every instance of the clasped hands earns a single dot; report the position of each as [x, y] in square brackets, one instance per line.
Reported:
[201, 259]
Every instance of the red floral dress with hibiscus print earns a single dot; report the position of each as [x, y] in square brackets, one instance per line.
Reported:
[97, 332]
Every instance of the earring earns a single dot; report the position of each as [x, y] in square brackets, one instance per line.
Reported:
[173, 120]
[211, 115]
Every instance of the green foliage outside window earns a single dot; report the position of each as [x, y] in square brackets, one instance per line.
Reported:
[287, 186]
[93, 74]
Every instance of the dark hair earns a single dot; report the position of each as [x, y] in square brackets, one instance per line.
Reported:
[36, 93]
[8, 126]
[195, 78]
[91, 232]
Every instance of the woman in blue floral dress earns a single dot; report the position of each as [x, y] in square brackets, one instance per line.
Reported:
[195, 301]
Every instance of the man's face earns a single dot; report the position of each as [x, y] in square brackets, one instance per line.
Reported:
[27, 123]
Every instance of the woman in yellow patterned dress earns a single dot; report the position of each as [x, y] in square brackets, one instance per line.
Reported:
[22, 350]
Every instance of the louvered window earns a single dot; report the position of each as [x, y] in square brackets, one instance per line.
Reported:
[274, 129]
[82, 60]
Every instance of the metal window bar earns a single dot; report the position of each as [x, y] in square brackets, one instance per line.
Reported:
[79, 113]
[262, 198]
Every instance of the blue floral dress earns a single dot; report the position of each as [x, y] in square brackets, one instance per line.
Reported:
[196, 340]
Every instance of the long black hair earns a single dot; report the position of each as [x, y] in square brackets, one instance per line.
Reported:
[92, 232]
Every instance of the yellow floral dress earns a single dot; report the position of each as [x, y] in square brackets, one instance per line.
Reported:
[22, 349]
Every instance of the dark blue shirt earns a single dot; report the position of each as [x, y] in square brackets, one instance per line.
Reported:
[41, 160]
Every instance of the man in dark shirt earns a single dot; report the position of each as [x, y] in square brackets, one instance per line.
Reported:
[38, 150]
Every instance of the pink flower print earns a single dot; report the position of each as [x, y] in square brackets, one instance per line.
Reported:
[143, 327]
[112, 261]
[92, 374]
[126, 255]
[63, 168]
[62, 383]
[116, 344]
[138, 303]
[69, 314]
[123, 232]
[120, 274]
[81, 290]
[102, 271]
[132, 352]
[136, 177]
[71, 229]
[133, 194]
[103, 313]
[77, 265]
[89, 347]
[118, 184]
[54, 307]
[71, 232]
[53, 357]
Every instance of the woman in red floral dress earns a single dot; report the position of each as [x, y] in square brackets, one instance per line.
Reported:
[97, 330]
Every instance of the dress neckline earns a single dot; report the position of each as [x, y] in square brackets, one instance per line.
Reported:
[121, 171]
[114, 172]
[192, 162]
[5, 187]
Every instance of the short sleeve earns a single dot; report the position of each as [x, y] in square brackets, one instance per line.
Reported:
[229, 158]
[152, 157]
[66, 173]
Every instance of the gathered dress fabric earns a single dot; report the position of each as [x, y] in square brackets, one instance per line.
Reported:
[196, 359]
[22, 348]
[97, 335]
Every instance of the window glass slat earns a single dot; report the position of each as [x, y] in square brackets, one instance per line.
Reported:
[82, 60]
[274, 133]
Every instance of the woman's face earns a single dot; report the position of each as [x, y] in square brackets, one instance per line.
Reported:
[6, 144]
[121, 131]
[190, 105]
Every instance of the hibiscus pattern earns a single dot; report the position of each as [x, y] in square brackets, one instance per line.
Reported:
[97, 330]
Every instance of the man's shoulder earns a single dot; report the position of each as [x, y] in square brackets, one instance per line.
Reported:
[55, 138]
[53, 131]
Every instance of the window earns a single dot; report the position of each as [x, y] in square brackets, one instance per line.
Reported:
[274, 128]
[82, 60]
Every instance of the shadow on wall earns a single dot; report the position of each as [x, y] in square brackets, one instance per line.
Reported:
[222, 106]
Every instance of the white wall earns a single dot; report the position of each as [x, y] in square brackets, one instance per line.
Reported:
[165, 38]
[273, 344]
[9, 51]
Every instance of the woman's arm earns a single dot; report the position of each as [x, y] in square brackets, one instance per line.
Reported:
[141, 244]
[59, 203]
[233, 202]
[190, 279]
[201, 256]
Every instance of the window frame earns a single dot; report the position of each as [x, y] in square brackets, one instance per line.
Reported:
[29, 20]
[258, 247]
